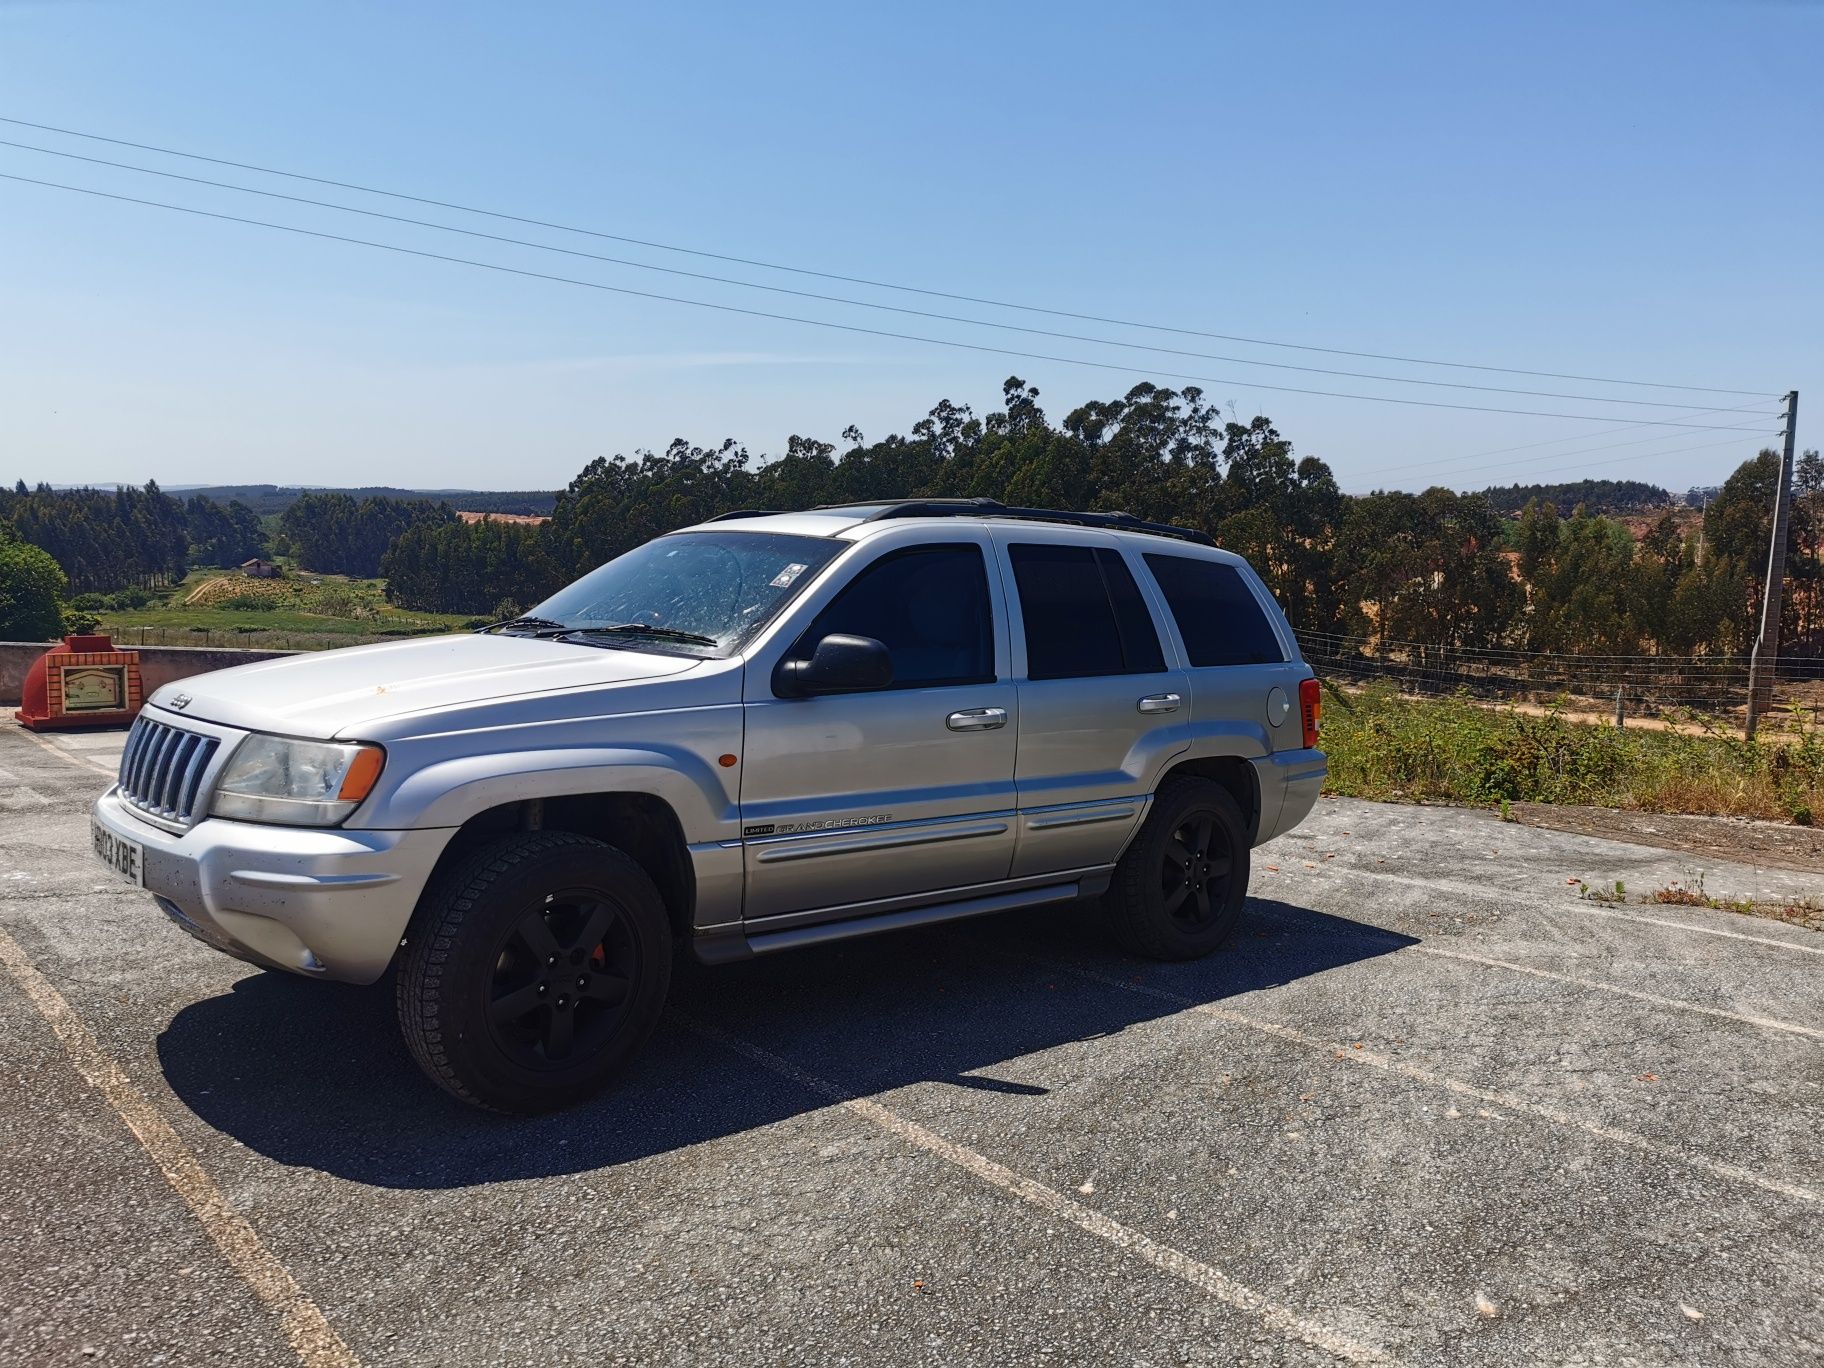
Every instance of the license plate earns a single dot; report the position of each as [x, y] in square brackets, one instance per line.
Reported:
[126, 858]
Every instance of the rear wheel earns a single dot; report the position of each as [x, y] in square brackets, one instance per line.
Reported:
[1178, 890]
[534, 971]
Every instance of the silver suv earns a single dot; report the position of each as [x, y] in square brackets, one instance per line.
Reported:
[766, 731]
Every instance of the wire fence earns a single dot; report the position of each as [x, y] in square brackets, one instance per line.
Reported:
[1675, 688]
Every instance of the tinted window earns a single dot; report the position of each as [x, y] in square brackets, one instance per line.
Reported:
[1139, 639]
[1217, 614]
[1084, 614]
[928, 606]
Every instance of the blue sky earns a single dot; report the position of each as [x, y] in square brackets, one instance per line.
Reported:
[1604, 189]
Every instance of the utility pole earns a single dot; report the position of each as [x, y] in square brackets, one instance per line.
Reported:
[1766, 657]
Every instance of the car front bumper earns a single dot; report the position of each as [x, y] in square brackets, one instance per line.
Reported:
[326, 903]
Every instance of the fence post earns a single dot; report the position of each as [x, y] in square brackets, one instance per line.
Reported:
[1620, 716]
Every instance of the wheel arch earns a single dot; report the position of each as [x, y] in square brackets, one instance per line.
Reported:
[1235, 773]
[643, 826]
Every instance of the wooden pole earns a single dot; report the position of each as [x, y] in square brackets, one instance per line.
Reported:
[1766, 658]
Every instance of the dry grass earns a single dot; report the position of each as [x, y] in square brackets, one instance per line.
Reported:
[218, 592]
[1807, 912]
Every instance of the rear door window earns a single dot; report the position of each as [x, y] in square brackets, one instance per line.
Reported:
[1084, 614]
[1217, 614]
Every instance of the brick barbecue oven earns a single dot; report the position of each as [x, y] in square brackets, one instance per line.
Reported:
[85, 682]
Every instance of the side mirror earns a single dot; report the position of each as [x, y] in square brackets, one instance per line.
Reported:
[838, 664]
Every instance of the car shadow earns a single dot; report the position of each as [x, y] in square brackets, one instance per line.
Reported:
[315, 1074]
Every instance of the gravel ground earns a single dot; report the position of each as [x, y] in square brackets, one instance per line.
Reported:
[1430, 1107]
[1777, 845]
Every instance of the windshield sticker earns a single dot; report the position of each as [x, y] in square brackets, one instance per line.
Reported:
[784, 578]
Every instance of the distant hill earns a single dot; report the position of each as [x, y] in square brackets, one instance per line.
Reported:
[266, 499]
[1599, 496]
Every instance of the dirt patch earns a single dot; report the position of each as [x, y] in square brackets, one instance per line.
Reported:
[524, 519]
[1734, 839]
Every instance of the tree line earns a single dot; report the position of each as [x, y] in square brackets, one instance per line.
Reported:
[1436, 568]
[130, 538]
[270, 500]
[1600, 496]
[111, 540]
[338, 534]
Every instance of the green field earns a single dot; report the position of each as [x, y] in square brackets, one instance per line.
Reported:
[301, 611]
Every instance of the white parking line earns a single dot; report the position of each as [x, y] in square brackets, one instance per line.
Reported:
[68, 756]
[1583, 907]
[1708, 930]
[19, 793]
[1766, 1023]
[1422, 948]
[1373, 1060]
[1125, 1238]
[313, 1340]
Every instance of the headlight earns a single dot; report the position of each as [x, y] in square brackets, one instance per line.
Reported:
[297, 783]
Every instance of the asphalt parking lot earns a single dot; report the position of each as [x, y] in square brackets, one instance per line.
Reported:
[1430, 1107]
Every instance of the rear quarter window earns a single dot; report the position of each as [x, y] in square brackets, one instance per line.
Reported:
[1217, 614]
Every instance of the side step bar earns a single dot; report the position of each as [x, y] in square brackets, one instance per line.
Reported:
[721, 949]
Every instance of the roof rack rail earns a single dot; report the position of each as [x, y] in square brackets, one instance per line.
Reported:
[993, 508]
[744, 513]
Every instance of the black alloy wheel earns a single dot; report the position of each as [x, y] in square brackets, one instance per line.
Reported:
[534, 970]
[563, 980]
[1194, 871]
[1178, 889]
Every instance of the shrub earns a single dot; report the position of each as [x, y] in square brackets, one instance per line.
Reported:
[332, 600]
[247, 603]
[32, 586]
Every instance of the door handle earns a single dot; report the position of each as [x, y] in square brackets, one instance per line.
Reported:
[977, 719]
[1158, 703]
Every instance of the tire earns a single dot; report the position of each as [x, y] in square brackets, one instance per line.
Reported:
[534, 970]
[1170, 899]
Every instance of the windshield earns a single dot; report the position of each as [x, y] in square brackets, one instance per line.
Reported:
[696, 593]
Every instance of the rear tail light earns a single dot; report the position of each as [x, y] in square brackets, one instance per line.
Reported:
[1310, 703]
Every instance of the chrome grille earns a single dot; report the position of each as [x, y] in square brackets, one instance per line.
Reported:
[161, 770]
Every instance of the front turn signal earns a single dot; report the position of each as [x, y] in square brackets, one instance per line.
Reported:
[363, 770]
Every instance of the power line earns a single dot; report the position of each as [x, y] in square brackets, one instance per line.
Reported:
[826, 323]
[862, 280]
[1553, 441]
[1457, 465]
[1619, 460]
[844, 300]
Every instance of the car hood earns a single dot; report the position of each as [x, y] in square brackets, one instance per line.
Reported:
[322, 694]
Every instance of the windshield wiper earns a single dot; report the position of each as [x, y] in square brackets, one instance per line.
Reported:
[538, 626]
[645, 629]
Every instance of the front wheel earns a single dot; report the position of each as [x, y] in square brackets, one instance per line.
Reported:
[1178, 890]
[534, 971]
